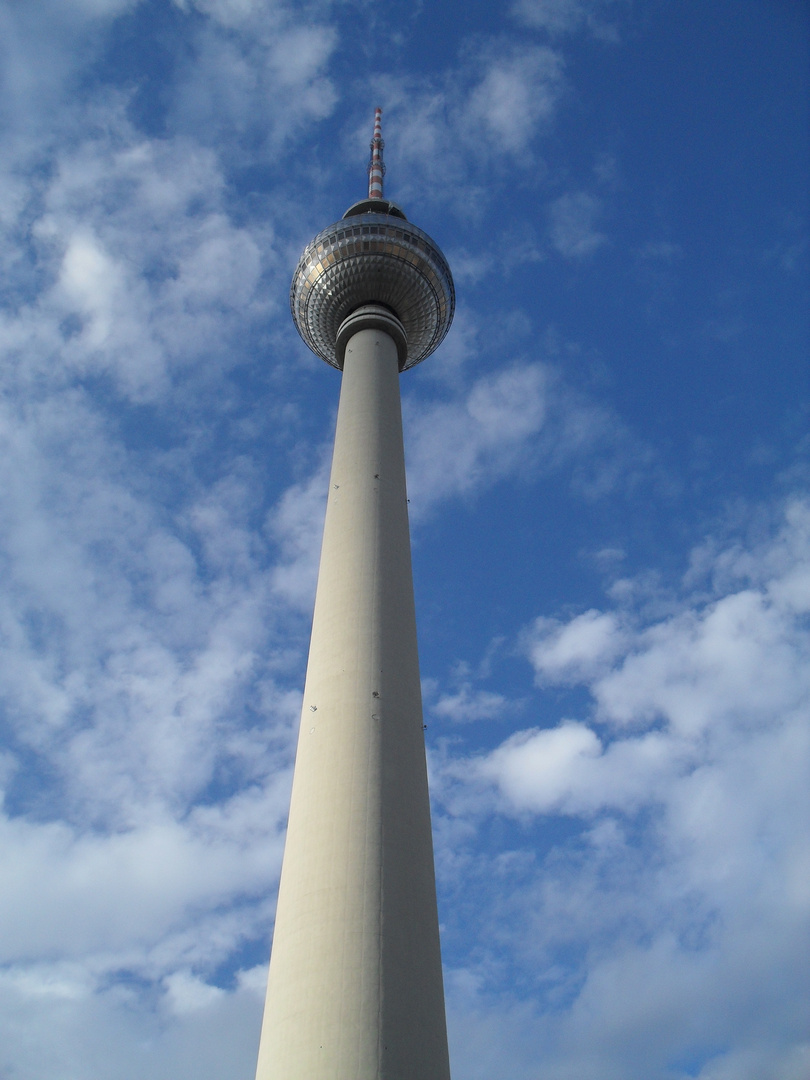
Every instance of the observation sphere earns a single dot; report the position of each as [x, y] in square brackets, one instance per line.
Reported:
[373, 255]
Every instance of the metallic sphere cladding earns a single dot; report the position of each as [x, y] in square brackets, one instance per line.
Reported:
[373, 256]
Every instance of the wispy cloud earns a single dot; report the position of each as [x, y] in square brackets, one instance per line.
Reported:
[256, 76]
[625, 861]
[489, 111]
[559, 17]
[572, 225]
[469, 704]
[523, 421]
[696, 750]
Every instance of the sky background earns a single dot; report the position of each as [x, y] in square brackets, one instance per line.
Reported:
[610, 500]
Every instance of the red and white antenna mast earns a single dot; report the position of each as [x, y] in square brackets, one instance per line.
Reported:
[376, 167]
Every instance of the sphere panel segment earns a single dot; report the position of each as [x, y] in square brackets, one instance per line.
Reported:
[372, 258]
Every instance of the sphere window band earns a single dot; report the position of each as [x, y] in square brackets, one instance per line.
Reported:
[373, 261]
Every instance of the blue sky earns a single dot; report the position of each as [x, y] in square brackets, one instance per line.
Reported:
[610, 499]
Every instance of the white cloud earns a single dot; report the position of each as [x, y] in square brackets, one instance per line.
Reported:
[517, 95]
[460, 346]
[188, 994]
[709, 677]
[296, 525]
[122, 648]
[44, 45]
[489, 109]
[572, 220]
[455, 447]
[138, 269]
[566, 16]
[523, 420]
[686, 885]
[120, 894]
[144, 648]
[566, 769]
[232, 13]
[469, 704]
[109, 8]
[742, 657]
[572, 651]
[151, 640]
[54, 1023]
[535, 769]
[257, 75]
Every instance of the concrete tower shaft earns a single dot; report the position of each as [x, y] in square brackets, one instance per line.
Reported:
[355, 985]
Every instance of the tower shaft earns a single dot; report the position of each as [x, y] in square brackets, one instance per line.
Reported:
[355, 985]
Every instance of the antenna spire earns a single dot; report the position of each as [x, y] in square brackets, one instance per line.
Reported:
[376, 166]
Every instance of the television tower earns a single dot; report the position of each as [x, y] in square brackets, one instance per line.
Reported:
[355, 984]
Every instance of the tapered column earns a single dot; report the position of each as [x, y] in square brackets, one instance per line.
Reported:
[355, 985]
